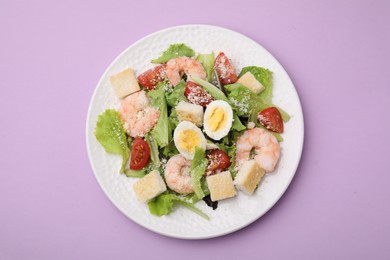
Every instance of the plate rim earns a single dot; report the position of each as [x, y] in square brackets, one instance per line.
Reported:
[215, 234]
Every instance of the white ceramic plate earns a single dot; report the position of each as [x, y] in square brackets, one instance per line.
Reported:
[232, 214]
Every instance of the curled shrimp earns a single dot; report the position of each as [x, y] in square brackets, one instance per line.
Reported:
[177, 174]
[265, 146]
[188, 66]
[138, 115]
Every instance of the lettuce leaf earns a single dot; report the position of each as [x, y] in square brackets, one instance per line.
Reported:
[265, 77]
[173, 51]
[135, 173]
[231, 152]
[111, 135]
[160, 131]
[242, 99]
[176, 95]
[170, 149]
[198, 168]
[153, 150]
[207, 60]
[211, 89]
[205, 189]
[237, 125]
[164, 203]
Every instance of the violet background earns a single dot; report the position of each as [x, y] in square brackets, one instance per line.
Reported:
[52, 54]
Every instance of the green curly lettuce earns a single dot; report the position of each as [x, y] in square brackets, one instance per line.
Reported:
[154, 156]
[135, 173]
[176, 95]
[160, 131]
[164, 203]
[211, 89]
[207, 60]
[173, 51]
[111, 135]
[264, 76]
[242, 99]
[198, 168]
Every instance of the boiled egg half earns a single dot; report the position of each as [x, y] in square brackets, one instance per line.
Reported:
[218, 119]
[187, 136]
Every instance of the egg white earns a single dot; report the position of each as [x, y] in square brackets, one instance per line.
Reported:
[228, 112]
[187, 125]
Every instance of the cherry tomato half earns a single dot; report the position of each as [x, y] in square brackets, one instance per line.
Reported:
[218, 160]
[150, 78]
[139, 154]
[271, 119]
[225, 69]
[197, 95]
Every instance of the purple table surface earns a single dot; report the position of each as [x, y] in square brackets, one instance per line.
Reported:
[52, 54]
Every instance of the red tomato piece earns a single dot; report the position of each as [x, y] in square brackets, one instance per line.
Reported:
[150, 78]
[197, 95]
[218, 160]
[225, 69]
[139, 154]
[271, 119]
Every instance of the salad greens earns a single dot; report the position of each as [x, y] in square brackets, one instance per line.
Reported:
[175, 50]
[160, 132]
[153, 150]
[198, 168]
[207, 60]
[211, 89]
[237, 125]
[245, 104]
[135, 173]
[264, 76]
[176, 94]
[164, 203]
[112, 136]
[243, 99]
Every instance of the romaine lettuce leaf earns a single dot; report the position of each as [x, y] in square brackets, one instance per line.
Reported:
[111, 135]
[160, 131]
[153, 150]
[173, 121]
[193, 198]
[173, 51]
[198, 168]
[242, 99]
[211, 89]
[207, 60]
[237, 125]
[170, 150]
[164, 203]
[135, 173]
[231, 152]
[265, 77]
[176, 95]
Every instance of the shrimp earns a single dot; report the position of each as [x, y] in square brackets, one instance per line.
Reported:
[265, 145]
[177, 174]
[138, 115]
[190, 67]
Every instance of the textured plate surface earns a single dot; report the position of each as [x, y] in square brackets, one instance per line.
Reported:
[232, 214]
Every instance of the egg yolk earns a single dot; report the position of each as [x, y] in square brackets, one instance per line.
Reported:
[188, 140]
[217, 119]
